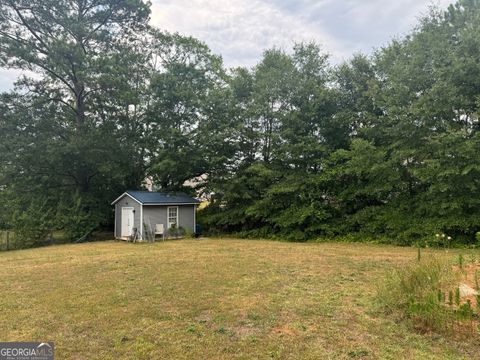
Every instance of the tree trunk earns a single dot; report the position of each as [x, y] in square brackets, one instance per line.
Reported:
[81, 173]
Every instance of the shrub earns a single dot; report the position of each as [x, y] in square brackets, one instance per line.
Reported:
[75, 218]
[440, 240]
[33, 225]
[176, 232]
[412, 292]
[189, 233]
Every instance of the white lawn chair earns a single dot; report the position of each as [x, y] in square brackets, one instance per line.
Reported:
[160, 230]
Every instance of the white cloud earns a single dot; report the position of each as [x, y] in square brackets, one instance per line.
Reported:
[7, 78]
[241, 30]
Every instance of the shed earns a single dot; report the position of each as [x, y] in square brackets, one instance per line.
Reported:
[142, 212]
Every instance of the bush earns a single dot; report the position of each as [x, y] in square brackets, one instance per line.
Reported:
[33, 225]
[75, 218]
[413, 293]
[176, 232]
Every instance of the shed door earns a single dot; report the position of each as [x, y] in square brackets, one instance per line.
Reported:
[127, 221]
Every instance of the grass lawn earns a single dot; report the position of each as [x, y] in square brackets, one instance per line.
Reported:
[211, 299]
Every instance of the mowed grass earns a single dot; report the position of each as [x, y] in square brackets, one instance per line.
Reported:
[210, 299]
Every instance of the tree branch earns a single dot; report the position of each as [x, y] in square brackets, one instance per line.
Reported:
[104, 21]
[25, 23]
[53, 73]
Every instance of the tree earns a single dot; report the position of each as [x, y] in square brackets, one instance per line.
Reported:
[70, 45]
[284, 111]
[380, 147]
[188, 117]
[64, 127]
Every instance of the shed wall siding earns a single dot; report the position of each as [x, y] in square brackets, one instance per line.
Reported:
[157, 214]
[126, 201]
[186, 217]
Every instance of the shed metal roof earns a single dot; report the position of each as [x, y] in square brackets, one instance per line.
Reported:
[157, 198]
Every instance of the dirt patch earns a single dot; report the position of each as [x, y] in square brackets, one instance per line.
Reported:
[469, 283]
[244, 331]
[205, 317]
[284, 330]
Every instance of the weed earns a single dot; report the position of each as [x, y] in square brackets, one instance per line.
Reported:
[473, 258]
[450, 298]
[414, 291]
[457, 296]
[360, 353]
[221, 330]
[465, 311]
[460, 261]
[192, 328]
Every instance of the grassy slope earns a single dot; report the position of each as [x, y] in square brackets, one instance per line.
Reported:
[208, 299]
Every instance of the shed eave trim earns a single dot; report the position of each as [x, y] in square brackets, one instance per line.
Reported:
[168, 204]
[130, 196]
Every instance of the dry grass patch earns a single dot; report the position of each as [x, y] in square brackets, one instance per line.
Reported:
[210, 299]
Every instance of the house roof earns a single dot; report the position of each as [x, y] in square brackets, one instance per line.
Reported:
[157, 198]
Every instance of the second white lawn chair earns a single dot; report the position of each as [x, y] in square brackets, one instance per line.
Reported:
[160, 230]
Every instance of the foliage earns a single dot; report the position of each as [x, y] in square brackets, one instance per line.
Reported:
[32, 223]
[101, 111]
[382, 147]
[187, 116]
[414, 292]
[64, 155]
[176, 232]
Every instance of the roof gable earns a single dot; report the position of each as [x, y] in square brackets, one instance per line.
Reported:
[157, 198]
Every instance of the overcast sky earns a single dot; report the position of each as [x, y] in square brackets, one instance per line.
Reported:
[240, 30]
